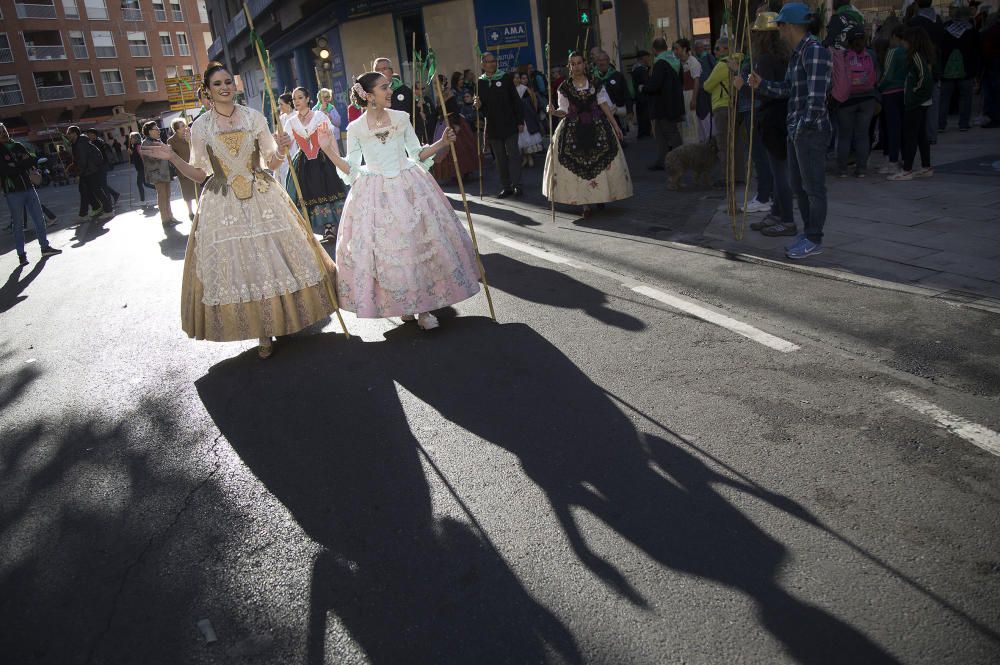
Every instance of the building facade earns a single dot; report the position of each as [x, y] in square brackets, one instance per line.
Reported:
[95, 63]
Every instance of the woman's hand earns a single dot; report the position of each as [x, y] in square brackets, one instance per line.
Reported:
[449, 135]
[284, 142]
[618, 130]
[157, 151]
[754, 80]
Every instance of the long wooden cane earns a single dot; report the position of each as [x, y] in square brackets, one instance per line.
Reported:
[552, 93]
[413, 71]
[304, 220]
[461, 189]
[479, 147]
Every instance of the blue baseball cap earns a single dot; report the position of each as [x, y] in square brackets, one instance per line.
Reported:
[795, 13]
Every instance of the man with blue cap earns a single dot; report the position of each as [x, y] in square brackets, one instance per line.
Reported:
[806, 85]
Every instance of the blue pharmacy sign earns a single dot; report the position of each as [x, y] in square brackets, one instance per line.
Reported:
[505, 29]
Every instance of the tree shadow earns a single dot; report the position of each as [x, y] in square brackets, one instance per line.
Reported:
[583, 453]
[555, 289]
[97, 562]
[11, 291]
[174, 245]
[408, 586]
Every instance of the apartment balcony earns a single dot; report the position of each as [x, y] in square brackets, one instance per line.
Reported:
[50, 93]
[178, 15]
[139, 50]
[89, 89]
[131, 14]
[6, 55]
[35, 11]
[11, 98]
[215, 49]
[183, 50]
[147, 86]
[80, 51]
[168, 49]
[114, 88]
[46, 52]
[160, 15]
[105, 52]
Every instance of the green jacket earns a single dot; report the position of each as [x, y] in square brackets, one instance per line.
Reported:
[919, 83]
[894, 70]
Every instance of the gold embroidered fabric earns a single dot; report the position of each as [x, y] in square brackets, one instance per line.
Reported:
[251, 243]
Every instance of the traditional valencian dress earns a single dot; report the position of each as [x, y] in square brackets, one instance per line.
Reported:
[585, 163]
[321, 188]
[465, 144]
[401, 249]
[252, 267]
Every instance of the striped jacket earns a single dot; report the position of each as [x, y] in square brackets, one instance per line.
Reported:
[919, 83]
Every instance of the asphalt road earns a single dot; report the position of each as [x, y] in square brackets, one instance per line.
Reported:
[608, 474]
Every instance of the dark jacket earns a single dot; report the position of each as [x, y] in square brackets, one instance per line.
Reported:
[935, 30]
[105, 149]
[87, 157]
[500, 106]
[402, 100]
[968, 44]
[919, 83]
[15, 163]
[664, 93]
[616, 86]
[840, 24]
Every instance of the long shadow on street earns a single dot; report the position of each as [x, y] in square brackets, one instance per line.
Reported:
[412, 587]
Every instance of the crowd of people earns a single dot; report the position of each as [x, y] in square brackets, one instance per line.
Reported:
[262, 201]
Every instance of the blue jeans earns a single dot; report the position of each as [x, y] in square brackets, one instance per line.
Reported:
[854, 121]
[964, 88]
[807, 174]
[27, 202]
[782, 206]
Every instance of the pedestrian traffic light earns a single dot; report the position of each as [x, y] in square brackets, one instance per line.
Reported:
[584, 14]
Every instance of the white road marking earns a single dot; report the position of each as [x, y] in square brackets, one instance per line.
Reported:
[738, 327]
[977, 435]
[675, 301]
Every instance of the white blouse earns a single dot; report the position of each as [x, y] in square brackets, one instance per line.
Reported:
[602, 97]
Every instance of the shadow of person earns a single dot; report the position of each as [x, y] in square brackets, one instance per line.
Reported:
[174, 244]
[12, 290]
[501, 213]
[551, 287]
[89, 230]
[585, 454]
[408, 586]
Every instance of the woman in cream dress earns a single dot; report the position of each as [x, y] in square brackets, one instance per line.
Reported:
[585, 164]
[253, 269]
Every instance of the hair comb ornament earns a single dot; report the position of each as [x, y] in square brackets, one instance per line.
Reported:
[359, 91]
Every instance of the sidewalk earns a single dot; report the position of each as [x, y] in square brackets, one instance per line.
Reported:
[940, 234]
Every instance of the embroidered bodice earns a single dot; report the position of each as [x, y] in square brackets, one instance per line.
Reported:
[386, 151]
[235, 157]
[307, 137]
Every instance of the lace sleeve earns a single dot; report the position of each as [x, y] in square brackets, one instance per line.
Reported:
[199, 141]
[353, 157]
[268, 146]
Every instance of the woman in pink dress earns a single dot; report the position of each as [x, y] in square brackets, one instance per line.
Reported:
[401, 250]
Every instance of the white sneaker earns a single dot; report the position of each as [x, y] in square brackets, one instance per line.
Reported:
[889, 168]
[427, 321]
[753, 205]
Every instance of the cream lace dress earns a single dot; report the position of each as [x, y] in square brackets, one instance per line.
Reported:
[252, 267]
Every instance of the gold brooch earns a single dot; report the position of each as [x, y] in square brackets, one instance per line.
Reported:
[382, 136]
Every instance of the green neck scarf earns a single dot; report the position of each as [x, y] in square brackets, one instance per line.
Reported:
[604, 77]
[671, 59]
[396, 83]
[495, 77]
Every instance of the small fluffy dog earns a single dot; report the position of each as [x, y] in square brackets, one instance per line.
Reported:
[698, 158]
